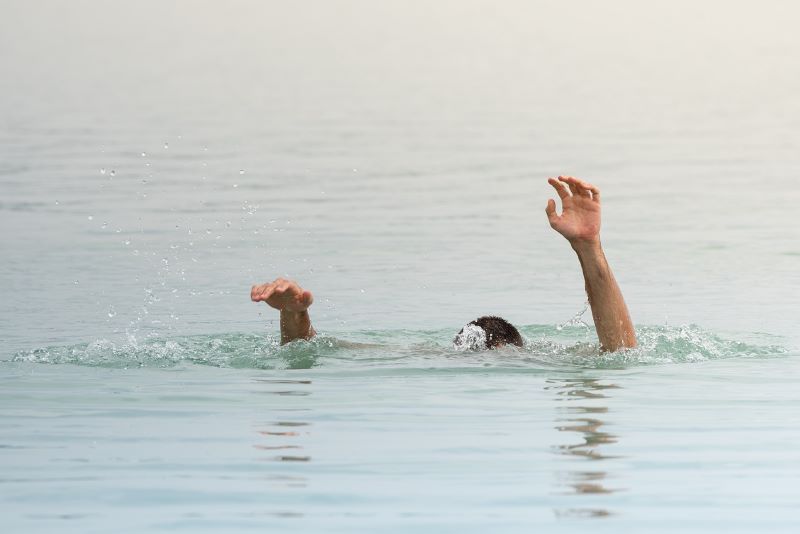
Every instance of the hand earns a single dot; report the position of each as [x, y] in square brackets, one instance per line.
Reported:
[580, 215]
[284, 295]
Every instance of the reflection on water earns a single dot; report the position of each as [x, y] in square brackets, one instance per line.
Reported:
[584, 412]
[582, 512]
[279, 436]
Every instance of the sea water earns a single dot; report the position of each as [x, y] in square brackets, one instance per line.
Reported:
[155, 161]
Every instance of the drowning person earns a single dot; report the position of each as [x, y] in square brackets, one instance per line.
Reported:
[579, 223]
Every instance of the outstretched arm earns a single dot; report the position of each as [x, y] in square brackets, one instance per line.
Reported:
[579, 222]
[293, 302]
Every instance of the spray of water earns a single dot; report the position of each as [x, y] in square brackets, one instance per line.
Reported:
[547, 347]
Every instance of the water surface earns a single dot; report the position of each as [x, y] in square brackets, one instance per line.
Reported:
[156, 160]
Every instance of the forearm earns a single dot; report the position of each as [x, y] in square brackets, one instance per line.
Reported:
[295, 325]
[611, 318]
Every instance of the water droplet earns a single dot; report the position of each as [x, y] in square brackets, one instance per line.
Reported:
[363, 291]
[166, 146]
[90, 218]
[144, 154]
[235, 186]
[127, 241]
[113, 173]
[75, 282]
[56, 202]
[355, 170]
[111, 312]
[104, 226]
[241, 171]
[103, 171]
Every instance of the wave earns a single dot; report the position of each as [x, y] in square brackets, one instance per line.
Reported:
[546, 347]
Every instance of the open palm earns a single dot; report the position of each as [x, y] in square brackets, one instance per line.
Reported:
[580, 214]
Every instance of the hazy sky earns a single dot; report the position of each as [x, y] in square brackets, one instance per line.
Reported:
[390, 58]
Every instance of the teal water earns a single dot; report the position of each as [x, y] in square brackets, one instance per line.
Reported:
[156, 160]
[545, 347]
[396, 430]
[229, 432]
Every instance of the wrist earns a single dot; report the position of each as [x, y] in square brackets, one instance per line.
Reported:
[287, 315]
[295, 325]
[586, 245]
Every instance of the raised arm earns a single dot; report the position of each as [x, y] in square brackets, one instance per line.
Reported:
[293, 302]
[579, 222]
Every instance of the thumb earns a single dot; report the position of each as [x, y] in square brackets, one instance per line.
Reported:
[550, 210]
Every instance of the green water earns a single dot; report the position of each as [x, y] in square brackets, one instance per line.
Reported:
[546, 347]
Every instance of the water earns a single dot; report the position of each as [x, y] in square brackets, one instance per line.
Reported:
[155, 161]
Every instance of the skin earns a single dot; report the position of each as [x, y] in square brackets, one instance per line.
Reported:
[579, 223]
[293, 302]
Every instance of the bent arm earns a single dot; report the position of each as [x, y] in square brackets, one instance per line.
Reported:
[579, 223]
[293, 302]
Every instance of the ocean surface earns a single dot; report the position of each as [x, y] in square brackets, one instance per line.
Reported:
[157, 159]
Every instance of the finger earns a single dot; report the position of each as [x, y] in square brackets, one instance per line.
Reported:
[306, 299]
[550, 210]
[257, 290]
[585, 187]
[264, 288]
[266, 294]
[595, 191]
[570, 181]
[591, 190]
[576, 186]
[560, 188]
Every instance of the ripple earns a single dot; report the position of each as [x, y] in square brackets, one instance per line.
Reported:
[548, 347]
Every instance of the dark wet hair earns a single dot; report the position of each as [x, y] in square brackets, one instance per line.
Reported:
[499, 332]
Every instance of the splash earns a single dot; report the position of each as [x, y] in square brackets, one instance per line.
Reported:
[577, 319]
[547, 347]
[227, 350]
[657, 345]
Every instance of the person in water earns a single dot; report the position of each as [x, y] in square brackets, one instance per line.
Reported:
[579, 223]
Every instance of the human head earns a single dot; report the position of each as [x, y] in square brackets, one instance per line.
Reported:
[487, 332]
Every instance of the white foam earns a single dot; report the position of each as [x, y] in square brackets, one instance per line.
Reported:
[471, 337]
